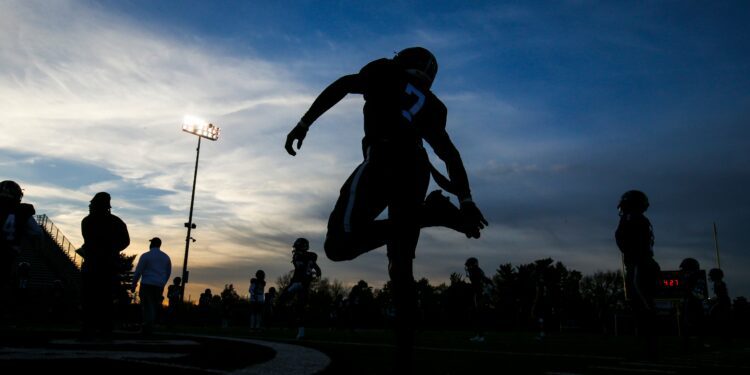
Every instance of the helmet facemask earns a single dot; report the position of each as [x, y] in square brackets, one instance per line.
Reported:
[419, 62]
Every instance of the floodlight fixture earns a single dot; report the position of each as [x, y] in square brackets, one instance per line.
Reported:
[203, 129]
[200, 127]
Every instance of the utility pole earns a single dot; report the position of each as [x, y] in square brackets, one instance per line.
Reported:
[716, 244]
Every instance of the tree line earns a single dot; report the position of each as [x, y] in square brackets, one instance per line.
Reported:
[520, 295]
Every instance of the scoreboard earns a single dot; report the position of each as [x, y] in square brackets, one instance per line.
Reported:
[671, 285]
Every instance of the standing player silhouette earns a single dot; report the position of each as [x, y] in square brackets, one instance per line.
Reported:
[305, 270]
[635, 238]
[400, 112]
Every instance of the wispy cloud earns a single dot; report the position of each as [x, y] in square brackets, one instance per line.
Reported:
[83, 85]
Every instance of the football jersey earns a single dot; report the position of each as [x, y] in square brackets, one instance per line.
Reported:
[635, 238]
[398, 108]
[480, 283]
[257, 290]
[304, 265]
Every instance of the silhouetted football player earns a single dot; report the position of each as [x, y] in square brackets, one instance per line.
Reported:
[635, 238]
[481, 288]
[305, 270]
[400, 112]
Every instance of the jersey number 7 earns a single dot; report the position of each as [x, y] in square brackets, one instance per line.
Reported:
[411, 90]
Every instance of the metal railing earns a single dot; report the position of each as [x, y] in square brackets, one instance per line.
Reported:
[57, 235]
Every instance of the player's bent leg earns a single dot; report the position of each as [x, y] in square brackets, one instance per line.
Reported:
[340, 245]
[352, 228]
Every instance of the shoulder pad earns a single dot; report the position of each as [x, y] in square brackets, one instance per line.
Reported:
[375, 65]
[313, 256]
[26, 209]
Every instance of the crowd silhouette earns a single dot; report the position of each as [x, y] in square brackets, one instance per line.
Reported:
[543, 297]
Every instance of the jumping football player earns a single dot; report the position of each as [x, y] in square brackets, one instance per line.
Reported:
[400, 112]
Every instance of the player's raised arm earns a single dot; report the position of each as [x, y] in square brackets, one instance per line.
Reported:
[316, 267]
[349, 84]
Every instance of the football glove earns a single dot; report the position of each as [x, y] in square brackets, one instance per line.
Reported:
[473, 220]
[298, 133]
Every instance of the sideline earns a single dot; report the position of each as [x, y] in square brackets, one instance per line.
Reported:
[289, 359]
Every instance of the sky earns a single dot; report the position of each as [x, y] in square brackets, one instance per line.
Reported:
[557, 108]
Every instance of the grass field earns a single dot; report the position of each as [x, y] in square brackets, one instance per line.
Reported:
[450, 352]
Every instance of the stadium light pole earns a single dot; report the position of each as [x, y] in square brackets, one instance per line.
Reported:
[202, 129]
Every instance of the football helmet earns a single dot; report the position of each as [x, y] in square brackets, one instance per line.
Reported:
[419, 62]
[715, 274]
[690, 265]
[633, 201]
[11, 190]
[471, 266]
[101, 199]
[301, 244]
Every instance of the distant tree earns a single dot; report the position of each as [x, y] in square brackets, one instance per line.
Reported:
[564, 287]
[543, 288]
[337, 289]
[330, 288]
[525, 292]
[126, 313]
[362, 304]
[456, 278]
[320, 300]
[571, 308]
[229, 295]
[384, 300]
[428, 302]
[741, 315]
[283, 281]
[602, 293]
[361, 291]
[125, 273]
[505, 274]
[456, 300]
[505, 298]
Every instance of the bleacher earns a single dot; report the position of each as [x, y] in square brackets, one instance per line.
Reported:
[51, 257]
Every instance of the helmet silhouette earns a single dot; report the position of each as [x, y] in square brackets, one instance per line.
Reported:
[10, 189]
[419, 62]
[301, 244]
[471, 262]
[690, 265]
[633, 201]
[716, 274]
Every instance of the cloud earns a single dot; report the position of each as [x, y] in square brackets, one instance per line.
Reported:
[87, 88]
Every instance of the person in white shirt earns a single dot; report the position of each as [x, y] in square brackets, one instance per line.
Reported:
[153, 270]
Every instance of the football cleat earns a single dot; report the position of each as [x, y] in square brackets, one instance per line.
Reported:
[438, 211]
